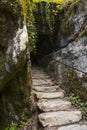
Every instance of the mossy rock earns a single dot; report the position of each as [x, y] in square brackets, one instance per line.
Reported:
[16, 96]
[16, 7]
[75, 85]
[67, 25]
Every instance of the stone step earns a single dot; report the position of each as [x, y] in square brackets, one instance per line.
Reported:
[37, 82]
[43, 86]
[51, 95]
[74, 127]
[42, 80]
[59, 118]
[69, 127]
[40, 77]
[38, 72]
[47, 89]
[53, 105]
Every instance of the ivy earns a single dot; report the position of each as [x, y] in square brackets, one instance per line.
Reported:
[32, 32]
[49, 18]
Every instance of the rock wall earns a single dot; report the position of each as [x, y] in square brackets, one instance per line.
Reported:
[68, 63]
[15, 72]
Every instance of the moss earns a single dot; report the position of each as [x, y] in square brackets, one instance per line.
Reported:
[15, 89]
[83, 32]
[16, 95]
[19, 93]
[23, 4]
[68, 25]
[16, 7]
[69, 13]
[10, 6]
[75, 3]
[75, 85]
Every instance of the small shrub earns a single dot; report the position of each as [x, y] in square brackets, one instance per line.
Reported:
[15, 126]
[77, 102]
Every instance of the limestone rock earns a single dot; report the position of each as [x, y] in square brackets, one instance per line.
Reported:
[15, 71]
[69, 52]
[53, 105]
[52, 95]
[74, 127]
[41, 82]
[69, 127]
[38, 76]
[59, 118]
[47, 88]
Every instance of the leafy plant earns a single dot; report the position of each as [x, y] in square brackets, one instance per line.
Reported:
[77, 102]
[56, 1]
[49, 17]
[15, 126]
[32, 33]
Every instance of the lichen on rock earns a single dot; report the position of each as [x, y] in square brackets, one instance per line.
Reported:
[15, 71]
[70, 48]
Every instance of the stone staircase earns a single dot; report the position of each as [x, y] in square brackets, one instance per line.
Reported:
[54, 111]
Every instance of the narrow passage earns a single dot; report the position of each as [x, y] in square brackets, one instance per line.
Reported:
[54, 111]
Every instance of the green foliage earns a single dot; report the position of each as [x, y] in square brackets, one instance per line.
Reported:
[75, 85]
[56, 1]
[12, 127]
[23, 5]
[32, 32]
[48, 13]
[49, 18]
[15, 126]
[59, 7]
[77, 102]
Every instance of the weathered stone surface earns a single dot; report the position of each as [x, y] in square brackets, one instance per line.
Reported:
[36, 71]
[69, 127]
[56, 114]
[15, 72]
[13, 38]
[53, 105]
[74, 127]
[59, 118]
[40, 82]
[52, 95]
[47, 89]
[40, 76]
[70, 36]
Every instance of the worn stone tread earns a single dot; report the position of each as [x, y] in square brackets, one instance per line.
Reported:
[55, 113]
[59, 118]
[74, 127]
[38, 71]
[69, 127]
[41, 82]
[40, 76]
[51, 95]
[47, 89]
[53, 105]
